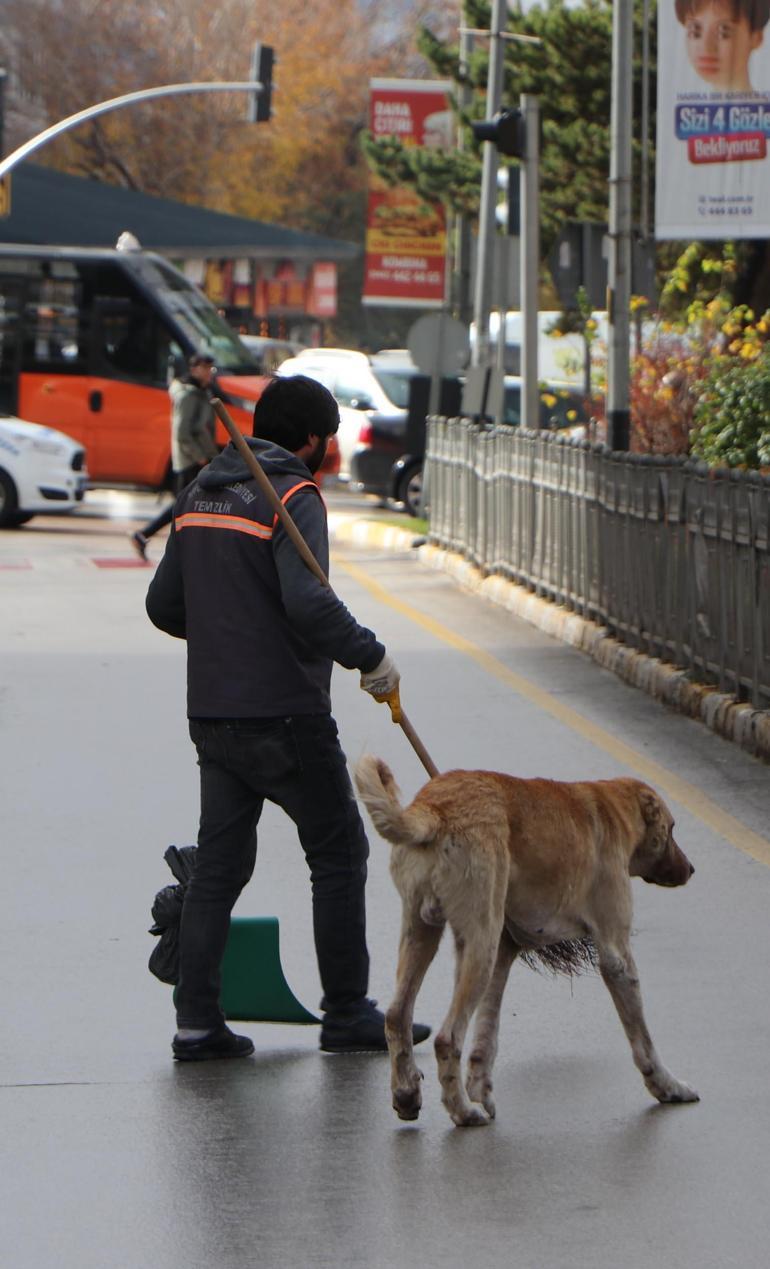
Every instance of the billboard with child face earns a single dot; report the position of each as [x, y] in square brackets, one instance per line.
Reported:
[713, 166]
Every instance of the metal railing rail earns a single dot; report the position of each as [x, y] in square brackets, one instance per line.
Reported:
[671, 556]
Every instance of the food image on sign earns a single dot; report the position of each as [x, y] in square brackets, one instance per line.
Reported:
[400, 214]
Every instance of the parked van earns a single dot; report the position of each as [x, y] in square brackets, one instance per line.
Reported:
[89, 341]
[560, 357]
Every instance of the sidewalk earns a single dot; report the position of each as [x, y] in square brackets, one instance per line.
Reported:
[721, 713]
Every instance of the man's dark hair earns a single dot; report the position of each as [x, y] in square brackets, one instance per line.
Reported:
[292, 409]
[200, 359]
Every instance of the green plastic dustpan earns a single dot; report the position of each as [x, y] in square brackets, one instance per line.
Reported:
[254, 988]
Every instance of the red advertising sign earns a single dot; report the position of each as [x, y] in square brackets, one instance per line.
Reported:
[405, 236]
[322, 297]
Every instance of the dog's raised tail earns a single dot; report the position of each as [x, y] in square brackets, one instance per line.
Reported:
[415, 825]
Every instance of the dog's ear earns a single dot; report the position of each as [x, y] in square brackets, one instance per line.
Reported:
[654, 816]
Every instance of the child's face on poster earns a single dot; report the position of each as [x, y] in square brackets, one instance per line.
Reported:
[719, 45]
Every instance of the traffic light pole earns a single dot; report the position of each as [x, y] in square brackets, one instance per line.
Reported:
[619, 289]
[128, 99]
[487, 222]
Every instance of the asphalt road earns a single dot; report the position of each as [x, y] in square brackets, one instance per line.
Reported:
[110, 1155]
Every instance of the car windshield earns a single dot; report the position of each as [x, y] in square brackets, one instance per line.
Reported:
[395, 384]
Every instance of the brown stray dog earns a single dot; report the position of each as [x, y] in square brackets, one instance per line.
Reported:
[514, 866]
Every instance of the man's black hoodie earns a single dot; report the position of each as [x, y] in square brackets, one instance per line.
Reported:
[262, 632]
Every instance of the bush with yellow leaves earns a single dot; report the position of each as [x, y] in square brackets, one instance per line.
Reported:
[732, 414]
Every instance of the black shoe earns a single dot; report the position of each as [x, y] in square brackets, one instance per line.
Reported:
[220, 1043]
[362, 1031]
[139, 543]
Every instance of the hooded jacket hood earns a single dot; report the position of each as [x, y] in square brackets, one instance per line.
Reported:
[262, 632]
[228, 468]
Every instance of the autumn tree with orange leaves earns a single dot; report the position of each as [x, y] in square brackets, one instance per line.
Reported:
[304, 169]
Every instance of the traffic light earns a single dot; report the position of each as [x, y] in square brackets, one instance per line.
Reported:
[508, 211]
[258, 109]
[505, 131]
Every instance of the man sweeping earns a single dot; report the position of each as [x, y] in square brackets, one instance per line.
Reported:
[262, 635]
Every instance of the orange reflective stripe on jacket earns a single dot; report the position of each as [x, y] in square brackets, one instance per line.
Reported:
[302, 484]
[237, 524]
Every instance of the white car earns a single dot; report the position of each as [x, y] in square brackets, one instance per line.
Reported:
[369, 391]
[41, 471]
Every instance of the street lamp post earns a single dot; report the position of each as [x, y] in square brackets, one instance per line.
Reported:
[486, 238]
[530, 263]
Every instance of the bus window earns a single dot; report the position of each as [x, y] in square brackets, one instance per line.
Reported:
[176, 365]
[52, 336]
[10, 311]
[130, 343]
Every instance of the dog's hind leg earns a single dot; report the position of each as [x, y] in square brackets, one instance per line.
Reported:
[620, 975]
[475, 958]
[478, 1081]
[419, 944]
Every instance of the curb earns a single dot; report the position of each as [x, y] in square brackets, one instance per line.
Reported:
[740, 723]
[362, 532]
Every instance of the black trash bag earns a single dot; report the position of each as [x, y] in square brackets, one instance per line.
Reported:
[167, 913]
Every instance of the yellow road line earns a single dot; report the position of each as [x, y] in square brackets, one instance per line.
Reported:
[686, 794]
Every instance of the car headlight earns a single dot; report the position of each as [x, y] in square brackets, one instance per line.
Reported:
[52, 448]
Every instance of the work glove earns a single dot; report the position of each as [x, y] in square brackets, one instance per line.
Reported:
[383, 679]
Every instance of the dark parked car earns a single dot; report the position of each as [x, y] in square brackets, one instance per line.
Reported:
[562, 406]
[389, 457]
[382, 436]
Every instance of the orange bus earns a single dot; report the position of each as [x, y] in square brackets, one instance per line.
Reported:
[89, 342]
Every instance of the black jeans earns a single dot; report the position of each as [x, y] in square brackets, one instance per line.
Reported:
[297, 763]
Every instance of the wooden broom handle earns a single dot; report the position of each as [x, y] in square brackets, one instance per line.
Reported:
[310, 560]
[280, 510]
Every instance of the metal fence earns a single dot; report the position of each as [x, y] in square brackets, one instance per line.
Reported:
[671, 556]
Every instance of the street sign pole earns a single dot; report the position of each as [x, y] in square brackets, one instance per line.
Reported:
[619, 290]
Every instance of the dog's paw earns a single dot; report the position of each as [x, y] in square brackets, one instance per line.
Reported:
[671, 1091]
[470, 1118]
[479, 1089]
[407, 1103]
[678, 1092]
